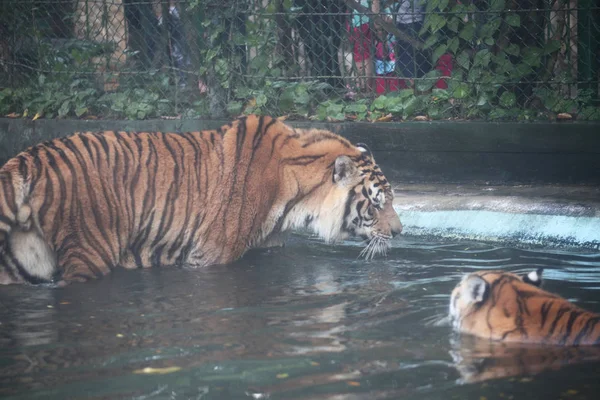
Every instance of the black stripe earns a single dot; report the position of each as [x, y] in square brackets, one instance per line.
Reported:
[561, 311]
[95, 205]
[546, 306]
[303, 160]
[572, 318]
[586, 330]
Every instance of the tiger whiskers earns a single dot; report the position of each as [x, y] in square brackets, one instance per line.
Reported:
[375, 245]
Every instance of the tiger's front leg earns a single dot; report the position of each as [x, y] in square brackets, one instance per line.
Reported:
[80, 266]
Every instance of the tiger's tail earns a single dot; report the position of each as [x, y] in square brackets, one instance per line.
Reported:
[25, 256]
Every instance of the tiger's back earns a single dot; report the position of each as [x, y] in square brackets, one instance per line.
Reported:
[504, 306]
[107, 199]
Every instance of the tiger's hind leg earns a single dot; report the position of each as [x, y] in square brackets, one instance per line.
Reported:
[26, 256]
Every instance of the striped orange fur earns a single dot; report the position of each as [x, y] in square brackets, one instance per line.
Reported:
[97, 200]
[504, 306]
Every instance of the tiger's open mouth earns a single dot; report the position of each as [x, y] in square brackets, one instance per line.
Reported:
[376, 245]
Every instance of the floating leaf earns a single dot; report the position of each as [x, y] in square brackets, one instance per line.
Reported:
[282, 376]
[157, 371]
[353, 383]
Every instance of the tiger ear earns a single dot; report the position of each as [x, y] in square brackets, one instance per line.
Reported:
[363, 148]
[344, 168]
[476, 289]
[534, 277]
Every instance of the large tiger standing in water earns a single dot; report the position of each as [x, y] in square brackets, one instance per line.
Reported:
[72, 209]
[507, 307]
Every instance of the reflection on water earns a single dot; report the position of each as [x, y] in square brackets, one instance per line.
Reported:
[481, 360]
[304, 322]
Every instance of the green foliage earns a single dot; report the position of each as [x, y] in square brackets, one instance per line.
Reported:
[485, 82]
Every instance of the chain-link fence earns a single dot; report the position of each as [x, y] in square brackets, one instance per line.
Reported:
[320, 59]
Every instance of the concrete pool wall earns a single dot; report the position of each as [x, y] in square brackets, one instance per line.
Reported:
[528, 183]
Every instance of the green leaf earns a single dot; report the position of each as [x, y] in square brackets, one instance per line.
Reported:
[464, 60]
[453, 44]
[355, 108]
[431, 5]
[431, 40]
[483, 99]
[436, 22]
[441, 94]
[79, 111]
[474, 75]
[438, 52]
[503, 63]
[513, 49]
[552, 46]
[234, 107]
[393, 104]
[64, 108]
[513, 20]
[443, 4]
[497, 5]
[461, 91]
[489, 41]
[497, 113]
[482, 58]
[589, 114]
[453, 24]
[409, 107]
[302, 96]
[532, 56]
[427, 81]
[488, 30]
[508, 99]
[261, 100]
[379, 103]
[210, 54]
[434, 112]
[468, 31]
[404, 93]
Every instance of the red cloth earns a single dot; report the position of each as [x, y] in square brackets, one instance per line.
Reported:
[361, 39]
[444, 65]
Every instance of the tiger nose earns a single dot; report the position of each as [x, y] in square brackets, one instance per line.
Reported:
[397, 230]
[395, 224]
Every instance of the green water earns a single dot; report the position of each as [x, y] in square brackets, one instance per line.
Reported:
[307, 321]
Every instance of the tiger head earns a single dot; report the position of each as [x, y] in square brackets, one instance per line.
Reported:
[354, 199]
[481, 292]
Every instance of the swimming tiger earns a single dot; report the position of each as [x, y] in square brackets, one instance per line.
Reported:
[507, 307]
[73, 208]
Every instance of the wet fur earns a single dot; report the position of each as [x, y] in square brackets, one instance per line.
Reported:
[97, 200]
[503, 306]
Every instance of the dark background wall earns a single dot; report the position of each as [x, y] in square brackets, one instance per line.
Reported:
[428, 152]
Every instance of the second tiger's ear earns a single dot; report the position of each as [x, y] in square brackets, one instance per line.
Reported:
[534, 277]
[476, 289]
